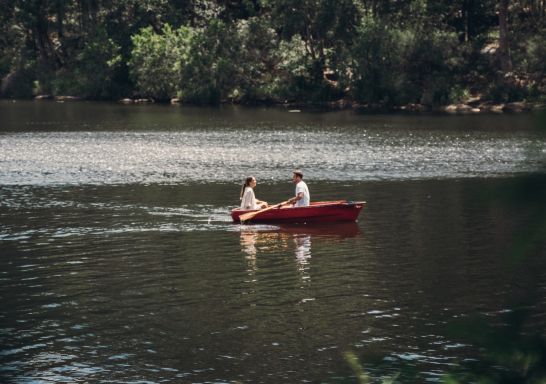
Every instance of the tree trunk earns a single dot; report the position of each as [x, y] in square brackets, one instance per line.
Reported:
[60, 10]
[40, 32]
[466, 16]
[504, 40]
[88, 12]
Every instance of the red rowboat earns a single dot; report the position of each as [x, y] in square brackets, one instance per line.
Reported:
[318, 212]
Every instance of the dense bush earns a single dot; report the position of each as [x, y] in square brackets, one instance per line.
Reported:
[198, 65]
[91, 72]
[376, 72]
[157, 60]
[258, 61]
[431, 66]
[211, 73]
[380, 53]
[393, 66]
[533, 55]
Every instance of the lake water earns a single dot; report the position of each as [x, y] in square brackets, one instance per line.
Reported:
[119, 263]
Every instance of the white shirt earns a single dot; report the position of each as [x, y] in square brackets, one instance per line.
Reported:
[249, 200]
[301, 187]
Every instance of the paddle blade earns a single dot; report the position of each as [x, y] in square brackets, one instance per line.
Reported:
[250, 215]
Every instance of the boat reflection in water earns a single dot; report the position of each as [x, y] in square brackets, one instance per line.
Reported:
[269, 239]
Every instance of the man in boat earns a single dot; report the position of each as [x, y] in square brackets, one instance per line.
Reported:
[302, 198]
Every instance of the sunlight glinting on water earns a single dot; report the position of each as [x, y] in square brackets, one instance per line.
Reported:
[224, 156]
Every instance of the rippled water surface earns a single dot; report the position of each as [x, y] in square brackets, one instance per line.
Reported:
[49, 143]
[119, 263]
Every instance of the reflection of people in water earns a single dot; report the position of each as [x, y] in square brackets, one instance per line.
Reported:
[252, 241]
[248, 243]
[292, 240]
[303, 248]
[303, 255]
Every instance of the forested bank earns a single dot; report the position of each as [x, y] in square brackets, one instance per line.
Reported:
[377, 53]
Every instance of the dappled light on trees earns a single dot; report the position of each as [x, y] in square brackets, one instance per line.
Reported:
[384, 53]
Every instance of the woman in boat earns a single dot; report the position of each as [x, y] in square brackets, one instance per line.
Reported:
[248, 200]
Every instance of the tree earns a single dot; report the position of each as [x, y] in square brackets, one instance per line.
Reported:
[325, 27]
[157, 60]
[504, 38]
[209, 51]
[211, 72]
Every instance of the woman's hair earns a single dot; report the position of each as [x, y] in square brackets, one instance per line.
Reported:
[247, 182]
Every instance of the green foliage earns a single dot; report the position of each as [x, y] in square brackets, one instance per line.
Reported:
[394, 66]
[361, 375]
[506, 90]
[294, 69]
[206, 51]
[211, 73]
[459, 94]
[534, 54]
[157, 60]
[374, 75]
[91, 71]
[205, 65]
[314, 34]
[355, 365]
[257, 60]
[432, 61]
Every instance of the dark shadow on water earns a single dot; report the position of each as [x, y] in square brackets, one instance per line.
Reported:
[335, 230]
[513, 351]
[507, 346]
[512, 346]
[330, 230]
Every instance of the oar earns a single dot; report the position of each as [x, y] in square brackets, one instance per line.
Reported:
[350, 202]
[248, 216]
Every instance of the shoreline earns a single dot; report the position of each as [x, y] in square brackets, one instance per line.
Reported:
[471, 107]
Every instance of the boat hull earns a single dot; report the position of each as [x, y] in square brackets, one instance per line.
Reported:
[319, 212]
